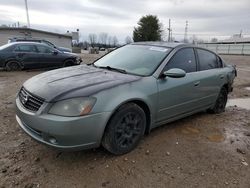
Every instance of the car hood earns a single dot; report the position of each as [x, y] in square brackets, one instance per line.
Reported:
[64, 49]
[69, 53]
[77, 81]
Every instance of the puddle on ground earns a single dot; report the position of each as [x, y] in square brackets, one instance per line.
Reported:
[241, 102]
[190, 130]
[216, 138]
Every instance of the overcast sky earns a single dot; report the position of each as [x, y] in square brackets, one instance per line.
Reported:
[207, 18]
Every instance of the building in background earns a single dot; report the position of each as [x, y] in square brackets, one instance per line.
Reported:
[62, 40]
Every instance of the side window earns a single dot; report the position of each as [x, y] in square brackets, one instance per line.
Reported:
[207, 60]
[25, 48]
[44, 49]
[184, 59]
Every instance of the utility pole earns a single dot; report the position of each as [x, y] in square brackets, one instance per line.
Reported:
[241, 33]
[169, 31]
[27, 13]
[185, 34]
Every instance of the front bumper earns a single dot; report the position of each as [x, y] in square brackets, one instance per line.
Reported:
[64, 133]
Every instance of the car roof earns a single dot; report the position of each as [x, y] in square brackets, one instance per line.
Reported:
[163, 44]
[24, 42]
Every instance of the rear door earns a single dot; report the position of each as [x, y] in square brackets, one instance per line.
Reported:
[27, 54]
[178, 96]
[211, 76]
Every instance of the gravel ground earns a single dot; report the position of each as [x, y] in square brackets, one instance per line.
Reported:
[202, 150]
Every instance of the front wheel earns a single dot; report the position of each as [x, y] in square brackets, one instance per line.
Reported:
[68, 63]
[125, 129]
[220, 103]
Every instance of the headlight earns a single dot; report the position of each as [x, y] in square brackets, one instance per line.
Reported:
[78, 58]
[73, 107]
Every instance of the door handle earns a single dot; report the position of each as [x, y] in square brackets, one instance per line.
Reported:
[197, 83]
[221, 76]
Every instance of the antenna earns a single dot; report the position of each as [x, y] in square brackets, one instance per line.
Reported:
[185, 34]
[27, 13]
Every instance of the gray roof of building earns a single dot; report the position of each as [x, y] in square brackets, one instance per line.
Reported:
[34, 30]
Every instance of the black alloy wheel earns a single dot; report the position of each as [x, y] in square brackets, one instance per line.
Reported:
[125, 129]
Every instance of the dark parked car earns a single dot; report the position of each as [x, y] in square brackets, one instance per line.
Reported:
[24, 39]
[122, 96]
[20, 55]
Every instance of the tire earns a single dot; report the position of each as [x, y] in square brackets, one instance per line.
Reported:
[125, 129]
[68, 63]
[220, 103]
[13, 66]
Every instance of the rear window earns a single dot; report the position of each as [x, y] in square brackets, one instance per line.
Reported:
[6, 46]
[207, 60]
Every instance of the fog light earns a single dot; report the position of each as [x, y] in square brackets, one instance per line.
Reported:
[52, 140]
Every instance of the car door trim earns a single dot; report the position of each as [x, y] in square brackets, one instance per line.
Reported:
[163, 109]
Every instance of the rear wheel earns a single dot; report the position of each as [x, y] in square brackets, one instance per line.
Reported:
[221, 102]
[125, 129]
[13, 66]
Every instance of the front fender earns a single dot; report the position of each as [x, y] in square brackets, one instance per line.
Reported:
[144, 90]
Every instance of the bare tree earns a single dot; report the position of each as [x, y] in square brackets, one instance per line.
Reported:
[110, 41]
[128, 40]
[92, 39]
[114, 41]
[103, 37]
[214, 40]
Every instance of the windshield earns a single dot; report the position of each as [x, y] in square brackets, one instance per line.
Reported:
[5, 46]
[136, 59]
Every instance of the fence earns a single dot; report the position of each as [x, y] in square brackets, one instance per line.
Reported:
[232, 49]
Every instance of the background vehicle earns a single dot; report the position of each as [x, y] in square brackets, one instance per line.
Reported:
[22, 39]
[122, 96]
[20, 55]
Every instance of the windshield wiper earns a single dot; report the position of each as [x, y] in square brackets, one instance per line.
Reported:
[112, 68]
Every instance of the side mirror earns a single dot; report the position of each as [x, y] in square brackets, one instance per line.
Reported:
[55, 52]
[174, 73]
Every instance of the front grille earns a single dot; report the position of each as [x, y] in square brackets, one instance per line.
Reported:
[29, 101]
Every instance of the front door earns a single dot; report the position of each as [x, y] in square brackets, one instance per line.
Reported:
[48, 57]
[178, 96]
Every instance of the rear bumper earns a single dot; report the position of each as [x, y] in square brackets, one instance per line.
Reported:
[64, 133]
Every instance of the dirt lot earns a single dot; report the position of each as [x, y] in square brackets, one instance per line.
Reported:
[203, 150]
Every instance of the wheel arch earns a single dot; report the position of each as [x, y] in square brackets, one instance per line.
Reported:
[142, 104]
[71, 60]
[13, 59]
[226, 86]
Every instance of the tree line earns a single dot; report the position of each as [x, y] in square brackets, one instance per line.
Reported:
[103, 40]
[148, 28]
